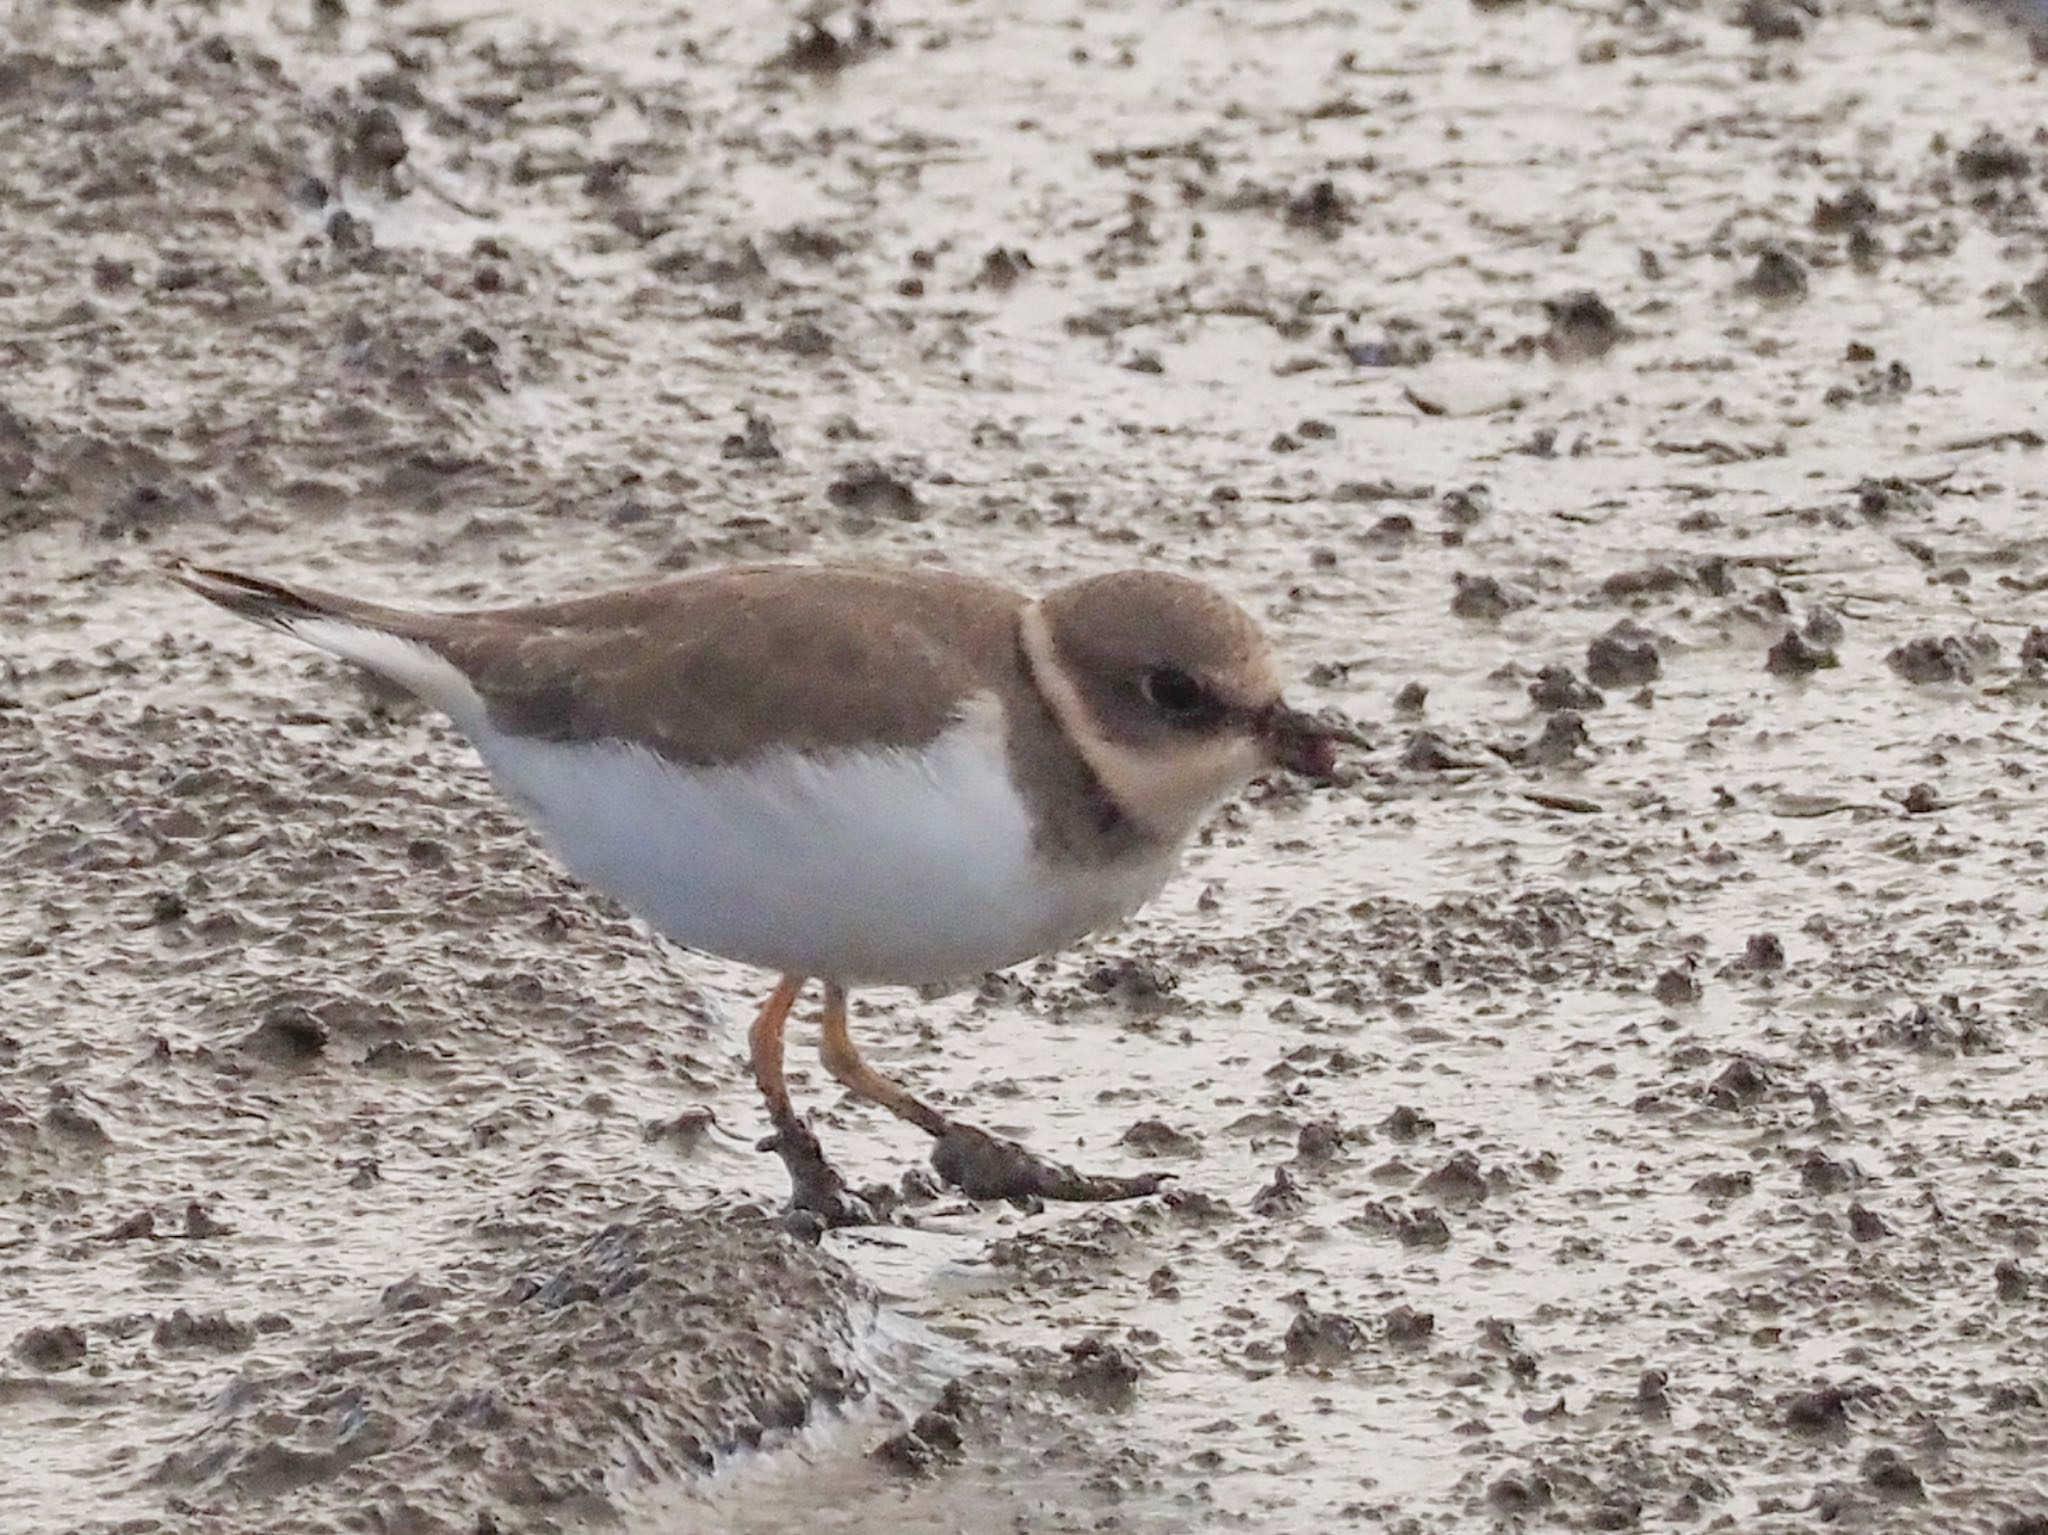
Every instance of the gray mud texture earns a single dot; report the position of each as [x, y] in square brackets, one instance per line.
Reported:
[1619, 1104]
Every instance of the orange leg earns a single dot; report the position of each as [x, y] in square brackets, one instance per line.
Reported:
[980, 1165]
[835, 1048]
[764, 1046]
[816, 1189]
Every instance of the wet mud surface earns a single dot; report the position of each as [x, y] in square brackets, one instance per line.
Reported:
[1618, 1104]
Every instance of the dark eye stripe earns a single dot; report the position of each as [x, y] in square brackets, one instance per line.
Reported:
[1187, 704]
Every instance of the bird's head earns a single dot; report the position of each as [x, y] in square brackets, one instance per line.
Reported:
[1169, 691]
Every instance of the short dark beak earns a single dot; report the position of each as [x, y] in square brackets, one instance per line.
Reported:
[1301, 742]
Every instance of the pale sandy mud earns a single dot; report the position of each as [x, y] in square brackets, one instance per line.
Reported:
[1619, 1106]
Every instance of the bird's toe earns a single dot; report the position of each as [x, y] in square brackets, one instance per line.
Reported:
[819, 1199]
[984, 1166]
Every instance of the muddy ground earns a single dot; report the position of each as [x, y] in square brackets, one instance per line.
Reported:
[1620, 1105]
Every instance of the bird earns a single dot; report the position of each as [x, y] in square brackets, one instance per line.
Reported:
[862, 776]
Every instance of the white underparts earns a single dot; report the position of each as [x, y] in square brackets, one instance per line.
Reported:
[899, 866]
[891, 865]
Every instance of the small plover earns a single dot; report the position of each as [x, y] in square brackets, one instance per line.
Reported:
[859, 776]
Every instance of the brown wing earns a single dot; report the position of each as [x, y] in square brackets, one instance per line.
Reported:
[717, 668]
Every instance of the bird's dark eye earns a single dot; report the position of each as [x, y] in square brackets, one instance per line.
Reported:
[1173, 692]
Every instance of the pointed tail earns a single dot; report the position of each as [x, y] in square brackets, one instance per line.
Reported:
[389, 641]
[278, 606]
